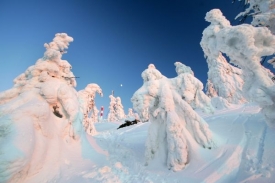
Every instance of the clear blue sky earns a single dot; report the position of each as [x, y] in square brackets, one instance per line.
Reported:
[114, 40]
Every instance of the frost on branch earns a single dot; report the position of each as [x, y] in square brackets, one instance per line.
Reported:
[262, 13]
[176, 128]
[224, 80]
[245, 45]
[88, 107]
[39, 115]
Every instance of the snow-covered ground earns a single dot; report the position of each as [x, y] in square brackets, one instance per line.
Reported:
[46, 134]
[244, 152]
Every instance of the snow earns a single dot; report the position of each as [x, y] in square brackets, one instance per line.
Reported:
[224, 80]
[49, 131]
[243, 153]
[245, 45]
[262, 13]
[176, 130]
[116, 111]
[88, 107]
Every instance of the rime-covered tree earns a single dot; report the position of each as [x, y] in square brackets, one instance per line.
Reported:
[224, 80]
[262, 13]
[131, 114]
[175, 128]
[245, 45]
[191, 89]
[87, 101]
[112, 109]
[40, 117]
[119, 109]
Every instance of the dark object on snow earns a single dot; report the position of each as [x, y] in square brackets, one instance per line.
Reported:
[128, 123]
[56, 112]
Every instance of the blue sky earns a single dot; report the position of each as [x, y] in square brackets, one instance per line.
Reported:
[114, 40]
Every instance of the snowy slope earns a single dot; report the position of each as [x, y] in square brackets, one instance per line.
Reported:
[43, 132]
[244, 152]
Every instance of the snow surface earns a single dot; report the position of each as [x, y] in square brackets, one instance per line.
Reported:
[43, 121]
[244, 153]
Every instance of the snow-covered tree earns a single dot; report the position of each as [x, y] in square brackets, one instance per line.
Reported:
[40, 116]
[112, 109]
[116, 111]
[131, 114]
[175, 129]
[87, 101]
[245, 45]
[224, 80]
[191, 89]
[119, 109]
[262, 13]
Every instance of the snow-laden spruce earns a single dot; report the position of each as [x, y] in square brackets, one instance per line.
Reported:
[245, 45]
[175, 128]
[262, 13]
[116, 111]
[131, 115]
[89, 110]
[191, 88]
[41, 119]
[112, 109]
[224, 80]
[119, 109]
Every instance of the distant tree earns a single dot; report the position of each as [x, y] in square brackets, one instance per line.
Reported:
[131, 114]
[175, 127]
[262, 13]
[119, 109]
[112, 109]
[87, 101]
